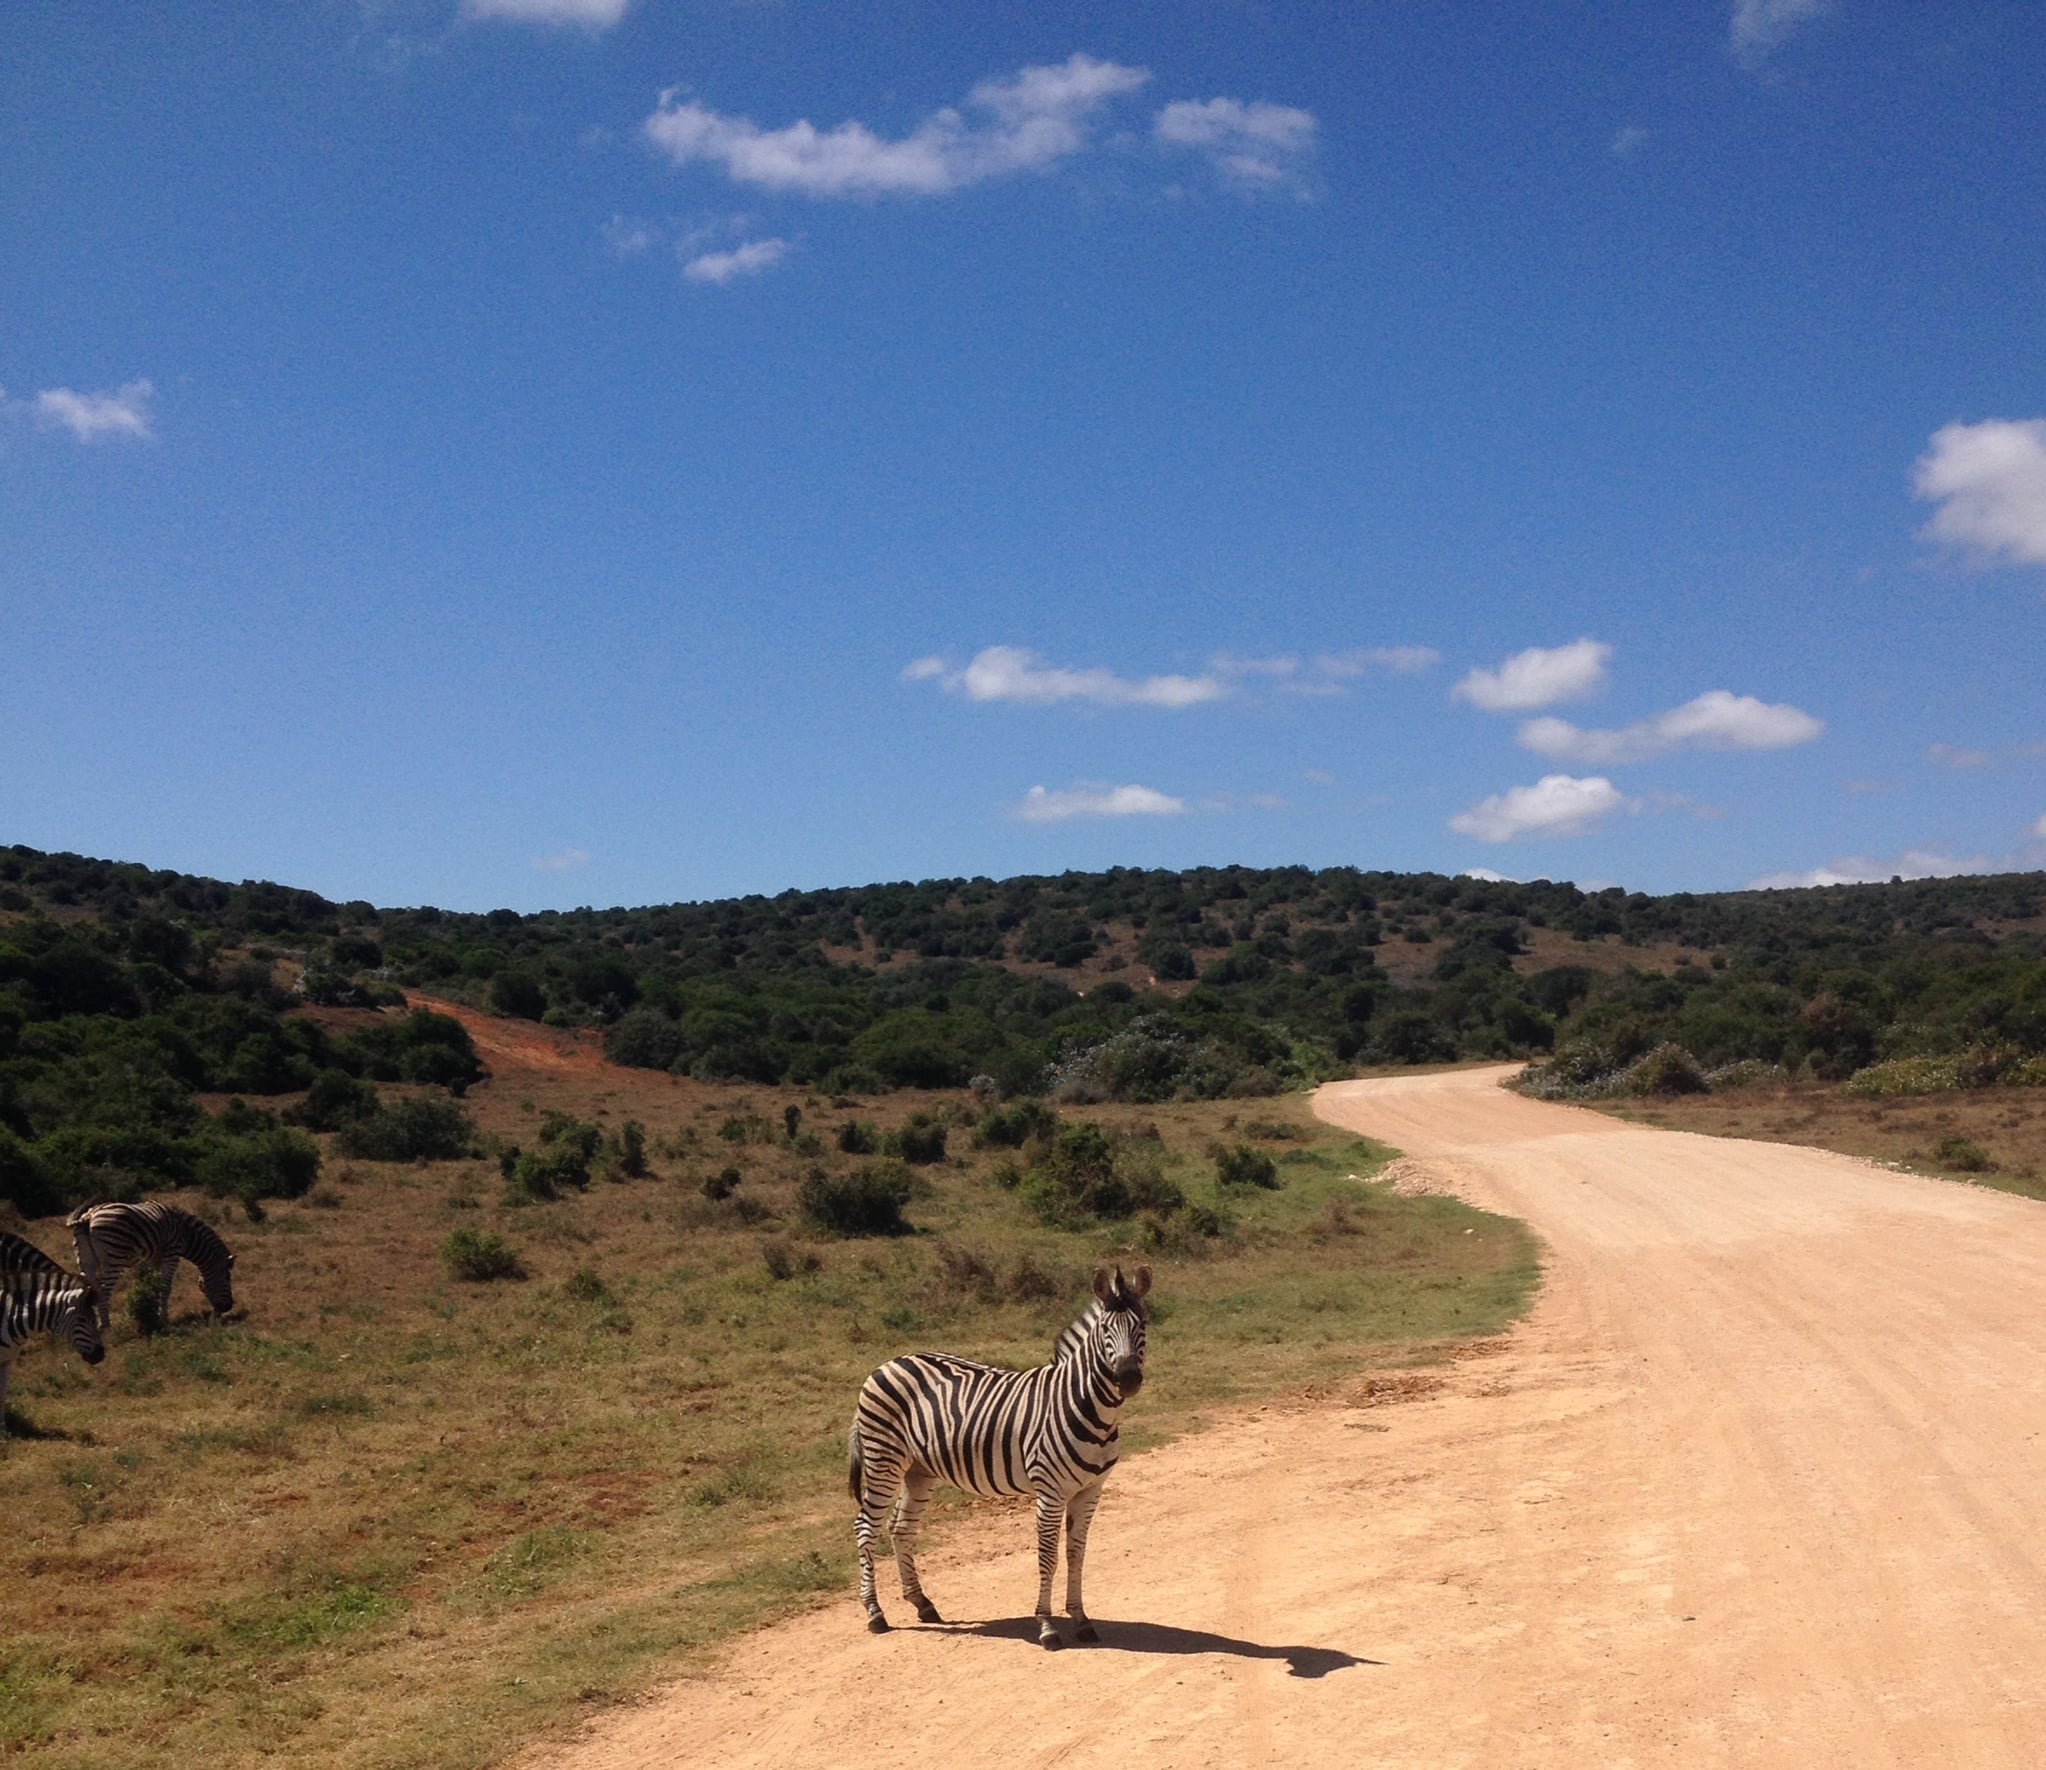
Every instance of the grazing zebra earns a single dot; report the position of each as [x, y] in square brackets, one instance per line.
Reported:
[111, 1238]
[1051, 1432]
[63, 1305]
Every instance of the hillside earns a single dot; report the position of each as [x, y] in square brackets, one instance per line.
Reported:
[126, 993]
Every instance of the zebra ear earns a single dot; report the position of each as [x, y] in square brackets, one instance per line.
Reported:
[1142, 1282]
[1101, 1283]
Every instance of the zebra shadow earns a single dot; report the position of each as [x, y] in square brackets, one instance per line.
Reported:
[18, 1425]
[1164, 1638]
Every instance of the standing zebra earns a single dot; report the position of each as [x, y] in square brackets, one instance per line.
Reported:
[111, 1238]
[1051, 1432]
[32, 1303]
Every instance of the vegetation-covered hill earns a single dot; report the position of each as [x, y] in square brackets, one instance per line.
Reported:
[125, 992]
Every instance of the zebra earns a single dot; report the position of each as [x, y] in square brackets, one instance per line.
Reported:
[40, 1304]
[1050, 1432]
[111, 1238]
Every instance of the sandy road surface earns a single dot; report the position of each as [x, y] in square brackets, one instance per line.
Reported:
[1761, 1482]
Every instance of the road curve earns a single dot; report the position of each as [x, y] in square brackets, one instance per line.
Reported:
[1758, 1483]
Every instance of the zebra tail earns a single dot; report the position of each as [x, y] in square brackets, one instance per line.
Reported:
[855, 1464]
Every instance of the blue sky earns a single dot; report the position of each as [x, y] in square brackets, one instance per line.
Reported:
[542, 452]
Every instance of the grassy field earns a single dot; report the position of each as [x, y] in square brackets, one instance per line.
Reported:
[1987, 1136]
[391, 1518]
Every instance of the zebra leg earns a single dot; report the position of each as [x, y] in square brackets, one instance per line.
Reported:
[876, 1494]
[1079, 1515]
[7, 1355]
[1051, 1513]
[167, 1270]
[909, 1512]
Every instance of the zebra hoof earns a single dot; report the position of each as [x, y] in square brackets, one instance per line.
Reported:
[877, 1625]
[1050, 1641]
[928, 1612]
[1085, 1632]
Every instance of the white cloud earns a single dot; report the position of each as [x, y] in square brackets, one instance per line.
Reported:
[1858, 869]
[593, 15]
[1556, 805]
[1957, 756]
[1537, 678]
[1989, 480]
[1027, 122]
[1759, 25]
[1628, 142]
[1401, 660]
[627, 236]
[748, 260]
[1256, 146]
[564, 862]
[1716, 720]
[1486, 874]
[1090, 799]
[1009, 673]
[2039, 829]
[92, 417]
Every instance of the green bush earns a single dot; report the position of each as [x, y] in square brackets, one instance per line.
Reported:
[920, 1142]
[1012, 1126]
[24, 1182]
[478, 1257]
[270, 1163]
[517, 993]
[148, 1302]
[1240, 1165]
[866, 1201]
[1962, 1156]
[545, 1173]
[1087, 1174]
[722, 1184]
[856, 1137]
[422, 1129]
[1667, 1070]
[644, 1039]
[336, 1098]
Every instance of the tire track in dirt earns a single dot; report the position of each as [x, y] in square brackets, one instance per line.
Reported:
[1756, 1483]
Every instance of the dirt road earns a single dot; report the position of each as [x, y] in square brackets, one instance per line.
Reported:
[1759, 1483]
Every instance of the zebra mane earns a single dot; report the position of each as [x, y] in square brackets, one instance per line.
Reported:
[19, 1256]
[199, 1236]
[1076, 1331]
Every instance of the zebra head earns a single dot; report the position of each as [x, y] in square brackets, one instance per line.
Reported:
[1118, 1333]
[218, 1283]
[78, 1322]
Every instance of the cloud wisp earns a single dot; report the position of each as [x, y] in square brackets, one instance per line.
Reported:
[1537, 677]
[1327, 673]
[591, 15]
[1716, 720]
[1759, 26]
[567, 861]
[1989, 481]
[1042, 805]
[1255, 147]
[1859, 869]
[123, 414]
[1556, 805]
[1009, 673]
[1025, 123]
[749, 260]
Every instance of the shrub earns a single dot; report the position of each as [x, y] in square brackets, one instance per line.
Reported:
[270, 1163]
[1012, 1126]
[478, 1257]
[1088, 1174]
[920, 1142]
[24, 1183]
[149, 1302]
[423, 1129]
[627, 1151]
[336, 1098]
[546, 1172]
[1240, 1165]
[517, 992]
[866, 1201]
[856, 1137]
[585, 1286]
[1667, 1070]
[722, 1184]
[1962, 1156]
[784, 1261]
[643, 1039]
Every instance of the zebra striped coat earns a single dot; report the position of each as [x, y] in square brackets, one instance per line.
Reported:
[112, 1238]
[23, 1265]
[33, 1303]
[1051, 1433]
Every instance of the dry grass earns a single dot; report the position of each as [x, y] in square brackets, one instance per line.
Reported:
[391, 1518]
[1927, 1133]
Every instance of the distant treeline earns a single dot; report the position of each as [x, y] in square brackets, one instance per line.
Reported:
[123, 990]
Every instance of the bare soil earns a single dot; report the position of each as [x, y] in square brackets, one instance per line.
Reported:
[1757, 1483]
